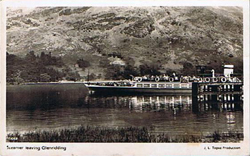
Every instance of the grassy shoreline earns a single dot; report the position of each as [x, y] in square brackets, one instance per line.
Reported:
[128, 134]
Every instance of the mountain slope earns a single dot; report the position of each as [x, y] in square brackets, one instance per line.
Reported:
[113, 39]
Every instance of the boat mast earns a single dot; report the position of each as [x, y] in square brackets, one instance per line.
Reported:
[88, 76]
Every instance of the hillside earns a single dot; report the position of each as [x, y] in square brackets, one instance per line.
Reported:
[114, 42]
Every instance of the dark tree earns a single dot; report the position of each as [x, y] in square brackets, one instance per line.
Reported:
[83, 63]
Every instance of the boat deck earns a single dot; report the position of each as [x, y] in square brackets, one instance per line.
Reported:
[141, 87]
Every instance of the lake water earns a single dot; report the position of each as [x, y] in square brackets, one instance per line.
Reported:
[59, 106]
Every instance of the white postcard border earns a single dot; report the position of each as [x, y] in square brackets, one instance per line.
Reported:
[126, 148]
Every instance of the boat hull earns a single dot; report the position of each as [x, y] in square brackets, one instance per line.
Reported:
[135, 90]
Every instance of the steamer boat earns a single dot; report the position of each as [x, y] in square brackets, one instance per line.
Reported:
[163, 84]
[146, 87]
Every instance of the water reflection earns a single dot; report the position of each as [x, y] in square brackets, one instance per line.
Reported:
[63, 106]
[45, 97]
[144, 103]
[218, 106]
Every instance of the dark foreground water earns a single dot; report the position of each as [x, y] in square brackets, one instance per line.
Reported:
[59, 106]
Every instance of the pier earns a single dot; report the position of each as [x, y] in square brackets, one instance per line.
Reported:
[217, 95]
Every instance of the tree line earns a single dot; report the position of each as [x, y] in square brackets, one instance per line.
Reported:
[37, 68]
[47, 68]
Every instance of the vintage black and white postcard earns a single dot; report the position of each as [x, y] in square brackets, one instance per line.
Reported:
[124, 77]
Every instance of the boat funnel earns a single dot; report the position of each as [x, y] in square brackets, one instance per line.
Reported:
[228, 70]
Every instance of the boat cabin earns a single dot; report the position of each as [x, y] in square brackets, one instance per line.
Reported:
[162, 85]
